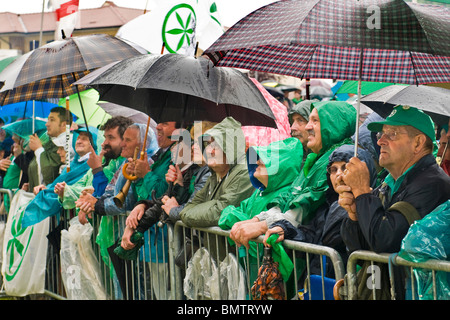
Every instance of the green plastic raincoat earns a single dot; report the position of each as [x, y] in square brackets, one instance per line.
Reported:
[283, 166]
[300, 202]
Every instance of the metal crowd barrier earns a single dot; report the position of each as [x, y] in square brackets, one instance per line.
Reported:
[212, 238]
[160, 272]
[391, 260]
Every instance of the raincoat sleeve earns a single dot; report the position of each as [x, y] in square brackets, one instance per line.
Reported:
[153, 180]
[50, 162]
[232, 214]
[105, 205]
[200, 182]
[72, 192]
[204, 211]
[99, 182]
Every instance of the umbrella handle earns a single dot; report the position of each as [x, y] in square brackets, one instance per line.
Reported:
[336, 288]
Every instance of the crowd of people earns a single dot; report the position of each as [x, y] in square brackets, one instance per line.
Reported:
[309, 187]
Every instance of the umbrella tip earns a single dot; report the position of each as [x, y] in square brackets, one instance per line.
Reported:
[63, 34]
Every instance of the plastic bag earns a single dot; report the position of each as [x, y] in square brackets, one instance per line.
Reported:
[429, 238]
[200, 269]
[80, 269]
[232, 281]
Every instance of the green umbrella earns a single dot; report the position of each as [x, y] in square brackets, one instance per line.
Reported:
[367, 87]
[94, 114]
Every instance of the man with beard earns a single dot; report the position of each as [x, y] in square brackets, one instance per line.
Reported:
[96, 179]
[113, 129]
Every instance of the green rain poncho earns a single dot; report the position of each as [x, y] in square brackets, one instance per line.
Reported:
[300, 202]
[283, 163]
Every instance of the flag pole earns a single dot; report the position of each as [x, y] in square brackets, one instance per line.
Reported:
[42, 23]
[67, 147]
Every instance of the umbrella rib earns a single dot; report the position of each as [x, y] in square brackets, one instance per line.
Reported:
[423, 29]
[414, 68]
[309, 61]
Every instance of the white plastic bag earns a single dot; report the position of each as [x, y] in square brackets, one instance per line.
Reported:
[200, 269]
[232, 281]
[80, 269]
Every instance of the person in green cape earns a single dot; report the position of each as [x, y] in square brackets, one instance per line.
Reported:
[272, 169]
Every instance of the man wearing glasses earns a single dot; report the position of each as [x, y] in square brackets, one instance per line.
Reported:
[379, 219]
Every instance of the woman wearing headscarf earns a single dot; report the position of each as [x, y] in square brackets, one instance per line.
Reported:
[324, 228]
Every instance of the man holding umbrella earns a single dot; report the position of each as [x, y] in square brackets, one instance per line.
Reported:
[44, 168]
[379, 219]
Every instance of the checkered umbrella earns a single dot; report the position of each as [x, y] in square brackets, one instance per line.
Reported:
[49, 71]
[364, 40]
[400, 42]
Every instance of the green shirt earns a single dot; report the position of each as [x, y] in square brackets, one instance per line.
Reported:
[395, 184]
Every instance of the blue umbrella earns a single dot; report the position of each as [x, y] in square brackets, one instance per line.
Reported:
[11, 112]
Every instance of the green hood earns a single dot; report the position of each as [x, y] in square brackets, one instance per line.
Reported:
[337, 122]
[229, 136]
[282, 167]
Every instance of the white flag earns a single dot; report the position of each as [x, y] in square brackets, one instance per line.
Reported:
[176, 23]
[67, 17]
[24, 250]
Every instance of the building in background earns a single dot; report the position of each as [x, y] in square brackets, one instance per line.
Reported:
[19, 33]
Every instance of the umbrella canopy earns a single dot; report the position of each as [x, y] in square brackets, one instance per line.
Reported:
[327, 39]
[89, 98]
[432, 100]
[175, 87]
[24, 128]
[352, 40]
[366, 87]
[118, 110]
[14, 111]
[179, 26]
[263, 136]
[5, 62]
[49, 71]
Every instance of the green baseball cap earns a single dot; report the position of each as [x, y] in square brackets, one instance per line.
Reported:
[407, 116]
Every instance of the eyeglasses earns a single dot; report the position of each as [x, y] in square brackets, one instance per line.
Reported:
[334, 169]
[390, 135]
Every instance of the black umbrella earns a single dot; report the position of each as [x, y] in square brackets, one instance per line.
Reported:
[432, 100]
[175, 87]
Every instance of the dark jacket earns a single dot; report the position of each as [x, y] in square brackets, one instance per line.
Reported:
[194, 179]
[381, 229]
[325, 227]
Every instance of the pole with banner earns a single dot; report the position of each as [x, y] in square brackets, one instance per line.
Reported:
[67, 17]
[67, 146]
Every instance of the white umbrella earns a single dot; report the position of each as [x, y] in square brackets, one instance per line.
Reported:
[179, 25]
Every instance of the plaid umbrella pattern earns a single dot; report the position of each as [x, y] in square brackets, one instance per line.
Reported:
[368, 40]
[49, 71]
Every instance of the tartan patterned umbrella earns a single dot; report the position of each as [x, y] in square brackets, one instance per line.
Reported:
[364, 40]
[392, 40]
[49, 71]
